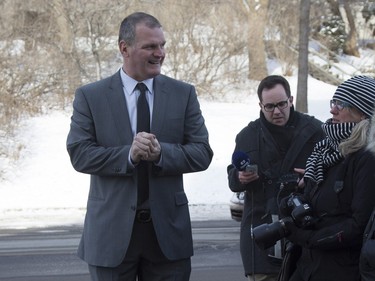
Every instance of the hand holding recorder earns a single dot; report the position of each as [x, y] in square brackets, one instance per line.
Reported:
[247, 172]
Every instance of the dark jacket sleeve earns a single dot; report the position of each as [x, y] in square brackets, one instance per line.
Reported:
[246, 141]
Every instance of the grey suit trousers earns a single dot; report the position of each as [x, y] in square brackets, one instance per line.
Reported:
[144, 260]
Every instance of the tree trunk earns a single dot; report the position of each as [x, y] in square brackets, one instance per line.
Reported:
[303, 56]
[257, 16]
[350, 45]
[65, 36]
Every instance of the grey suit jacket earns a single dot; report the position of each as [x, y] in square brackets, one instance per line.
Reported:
[98, 144]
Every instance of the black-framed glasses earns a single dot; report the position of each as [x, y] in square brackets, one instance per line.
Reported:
[340, 105]
[269, 107]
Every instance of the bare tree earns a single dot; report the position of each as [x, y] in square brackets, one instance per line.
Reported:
[48, 48]
[350, 45]
[282, 33]
[89, 31]
[256, 12]
[303, 56]
[202, 47]
[29, 72]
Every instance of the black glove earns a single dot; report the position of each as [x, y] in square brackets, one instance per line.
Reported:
[292, 230]
[298, 235]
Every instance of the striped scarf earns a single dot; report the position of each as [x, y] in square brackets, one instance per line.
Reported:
[326, 152]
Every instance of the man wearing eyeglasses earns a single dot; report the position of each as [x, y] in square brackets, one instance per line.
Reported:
[279, 141]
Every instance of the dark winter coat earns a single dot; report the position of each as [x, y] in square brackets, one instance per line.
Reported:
[260, 197]
[343, 202]
[367, 257]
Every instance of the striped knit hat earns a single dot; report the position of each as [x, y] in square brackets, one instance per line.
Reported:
[359, 91]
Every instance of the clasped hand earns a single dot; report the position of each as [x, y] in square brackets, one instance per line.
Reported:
[145, 147]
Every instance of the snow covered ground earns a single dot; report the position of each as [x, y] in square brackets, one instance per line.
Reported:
[42, 188]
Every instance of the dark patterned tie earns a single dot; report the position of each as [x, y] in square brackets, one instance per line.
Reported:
[143, 125]
[143, 111]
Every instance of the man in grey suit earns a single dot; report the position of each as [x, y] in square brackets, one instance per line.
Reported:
[124, 237]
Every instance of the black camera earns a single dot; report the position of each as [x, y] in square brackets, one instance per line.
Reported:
[300, 213]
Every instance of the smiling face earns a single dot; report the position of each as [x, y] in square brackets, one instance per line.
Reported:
[277, 95]
[143, 59]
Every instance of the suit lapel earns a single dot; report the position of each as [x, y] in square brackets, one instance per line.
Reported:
[117, 102]
[160, 104]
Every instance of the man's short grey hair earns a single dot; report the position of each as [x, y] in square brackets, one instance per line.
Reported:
[128, 25]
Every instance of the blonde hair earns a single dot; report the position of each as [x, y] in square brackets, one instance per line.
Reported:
[358, 138]
[371, 136]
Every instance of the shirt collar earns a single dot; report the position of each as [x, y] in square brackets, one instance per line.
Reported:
[129, 83]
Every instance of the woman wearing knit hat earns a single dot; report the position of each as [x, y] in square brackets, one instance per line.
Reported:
[339, 187]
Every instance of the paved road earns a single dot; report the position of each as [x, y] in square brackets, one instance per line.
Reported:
[49, 254]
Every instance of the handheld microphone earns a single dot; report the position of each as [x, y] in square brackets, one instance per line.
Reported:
[241, 161]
